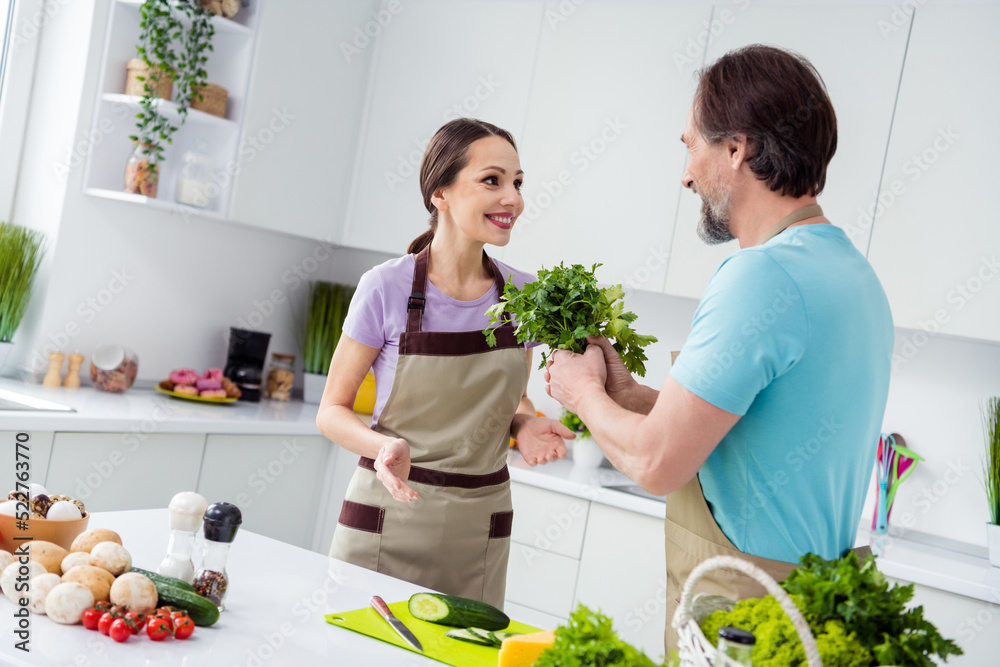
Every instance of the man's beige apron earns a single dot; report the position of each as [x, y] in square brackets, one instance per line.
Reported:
[452, 400]
[693, 535]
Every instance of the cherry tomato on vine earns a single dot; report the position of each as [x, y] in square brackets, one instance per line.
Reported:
[120, 630]
[91, 617]
[138, 621]
[104, 623]
[158, 629]
[183, 627]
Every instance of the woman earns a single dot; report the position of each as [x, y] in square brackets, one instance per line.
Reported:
[430, 500]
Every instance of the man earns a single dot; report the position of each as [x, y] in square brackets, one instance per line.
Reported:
[764, 433]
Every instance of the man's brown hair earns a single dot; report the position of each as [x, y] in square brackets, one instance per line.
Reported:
[776, 99]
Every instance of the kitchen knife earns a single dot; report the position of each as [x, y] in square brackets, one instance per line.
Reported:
[383, 610]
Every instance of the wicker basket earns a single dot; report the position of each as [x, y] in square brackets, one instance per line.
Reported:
[695, 650]
[213, 102]
[136, 67]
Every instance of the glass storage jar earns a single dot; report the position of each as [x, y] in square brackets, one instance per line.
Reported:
[278, 385]
[193, 184]
[142, 175]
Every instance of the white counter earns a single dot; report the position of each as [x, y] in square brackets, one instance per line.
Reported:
[274, 612]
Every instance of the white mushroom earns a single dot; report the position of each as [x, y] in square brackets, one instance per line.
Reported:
[112, 557]
[66, 602]
[16, 576]
[41, 586]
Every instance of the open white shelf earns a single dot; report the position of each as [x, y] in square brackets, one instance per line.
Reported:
[229, 66]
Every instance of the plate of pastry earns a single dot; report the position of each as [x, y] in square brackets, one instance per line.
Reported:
[208, 387]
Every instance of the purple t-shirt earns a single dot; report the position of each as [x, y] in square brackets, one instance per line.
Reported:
[377, 315]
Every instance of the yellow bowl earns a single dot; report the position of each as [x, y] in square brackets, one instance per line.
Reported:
[364, 401]
[58, 532]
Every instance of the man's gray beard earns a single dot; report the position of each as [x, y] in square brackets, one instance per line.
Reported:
[713, 228]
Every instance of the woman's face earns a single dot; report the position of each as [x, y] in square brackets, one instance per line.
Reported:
[485, 199]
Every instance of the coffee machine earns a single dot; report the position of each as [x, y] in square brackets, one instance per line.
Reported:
[245, 364]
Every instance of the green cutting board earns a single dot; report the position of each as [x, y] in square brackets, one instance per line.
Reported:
[431, 635]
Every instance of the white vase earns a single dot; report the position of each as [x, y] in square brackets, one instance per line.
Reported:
[5, 349]
[586, 452]
[993, 543]
[312, 387]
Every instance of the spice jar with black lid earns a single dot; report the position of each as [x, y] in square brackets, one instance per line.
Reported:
[222, 520]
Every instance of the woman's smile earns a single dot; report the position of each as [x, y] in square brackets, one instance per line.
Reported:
[502, 220]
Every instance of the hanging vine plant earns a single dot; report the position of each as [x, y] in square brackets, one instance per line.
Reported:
[175, 40]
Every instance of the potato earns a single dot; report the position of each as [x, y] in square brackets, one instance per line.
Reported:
[9, 579]
[88, 540]
[135, 592]
[112, 557]
[66, 602]
[97, 579]
[40, 588]
[49, 555]
[6, 558]
[74, 559]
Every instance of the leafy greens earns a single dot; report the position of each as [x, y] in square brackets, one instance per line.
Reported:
[563, 307]
[589, 641]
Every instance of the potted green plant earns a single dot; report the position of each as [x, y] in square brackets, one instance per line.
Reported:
[174, 41]
[328, 304]
[991, 475]
[21, 253]
[585, 451]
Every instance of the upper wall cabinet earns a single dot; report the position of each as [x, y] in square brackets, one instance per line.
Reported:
[300, 130]
[935, 240]
[438, 60]
[858, 50]
[601, 149]
[212, 138]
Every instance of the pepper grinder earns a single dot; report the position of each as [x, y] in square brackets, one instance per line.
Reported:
[222, 520]
[72, 379]
[53, 378]
[186, 511]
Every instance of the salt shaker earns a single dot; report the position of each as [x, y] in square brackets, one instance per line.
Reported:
[72, 379]
[186, 512]
[53, 378]
[735, 647]
[222, 520]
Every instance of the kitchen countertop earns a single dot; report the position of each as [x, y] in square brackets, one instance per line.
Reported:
[274, 612]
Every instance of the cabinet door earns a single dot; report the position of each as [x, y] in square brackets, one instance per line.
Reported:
[300, 127]
[437, 61]
[541, 580]
[935, 242]
[339, 471]
[623, 572]
[32, 456]
[860, 63]
[124, 471]
[548, 521]
[274, 480]
[601, 150]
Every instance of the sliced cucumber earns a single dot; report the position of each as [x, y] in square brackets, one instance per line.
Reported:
[498, 637]
[457, 612]
[466, 636]
[484, 635]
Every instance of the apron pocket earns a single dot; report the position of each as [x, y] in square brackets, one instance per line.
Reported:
[358, 536]
[359, 516]
[501, 524]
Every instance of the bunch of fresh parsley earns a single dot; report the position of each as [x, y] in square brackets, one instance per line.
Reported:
[589, 641]
[563, 307]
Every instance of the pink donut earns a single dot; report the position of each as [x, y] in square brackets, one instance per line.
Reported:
[204, 384]
[183, 376]
[188, 389]
[213, 393]
[213, 374]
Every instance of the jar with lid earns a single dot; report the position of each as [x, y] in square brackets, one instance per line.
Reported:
[142, 172]
[735, 647]
[278, 385]
[193, 183]
[222, 520]
[186, 512]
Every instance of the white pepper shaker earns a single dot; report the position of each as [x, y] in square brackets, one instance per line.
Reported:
[186, 512]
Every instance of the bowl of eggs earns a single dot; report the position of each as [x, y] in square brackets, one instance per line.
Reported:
[52, 518]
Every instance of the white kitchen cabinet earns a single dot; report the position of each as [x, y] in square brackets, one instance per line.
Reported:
[541, 580]
[601, 150]
[36, 450]
[547, 520]
[108, 146]
[623, 572]
[274, 480]
[437, 60]
[935, 243]
[124, 471]
[860, 63]
[304, 108]
[340, 468]
[972, 624]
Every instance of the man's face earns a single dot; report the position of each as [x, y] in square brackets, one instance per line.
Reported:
[705, 176]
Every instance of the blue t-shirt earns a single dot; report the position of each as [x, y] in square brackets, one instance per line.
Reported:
[795, 336]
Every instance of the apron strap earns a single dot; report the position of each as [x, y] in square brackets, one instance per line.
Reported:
[798, 215]
[415, 304]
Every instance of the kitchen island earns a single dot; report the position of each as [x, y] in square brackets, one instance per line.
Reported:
[274, 612]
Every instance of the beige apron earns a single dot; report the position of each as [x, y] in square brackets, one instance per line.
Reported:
[452, 400]
[693, 535]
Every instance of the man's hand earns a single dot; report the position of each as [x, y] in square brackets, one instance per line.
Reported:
[540, 440]
[571, 375]
[619, 381]
[392, 468]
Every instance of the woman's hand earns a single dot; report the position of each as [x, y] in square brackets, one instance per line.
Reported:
[540, 440]
[392, 468]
